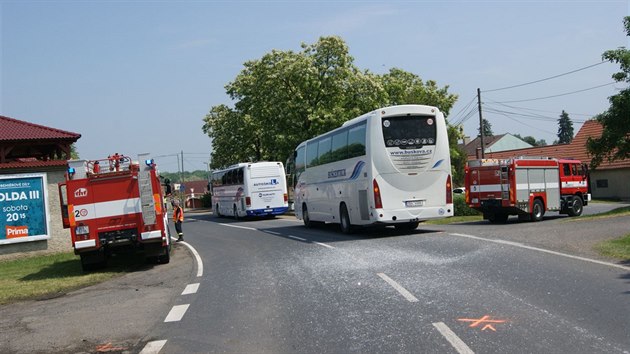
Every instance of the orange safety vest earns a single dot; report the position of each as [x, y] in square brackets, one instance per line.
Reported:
[178, 214]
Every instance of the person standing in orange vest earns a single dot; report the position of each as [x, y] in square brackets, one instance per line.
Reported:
[178, 218]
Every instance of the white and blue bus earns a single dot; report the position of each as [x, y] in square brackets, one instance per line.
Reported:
[250, 189]
[390, 166]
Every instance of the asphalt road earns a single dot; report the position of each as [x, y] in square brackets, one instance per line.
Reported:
[273, 286]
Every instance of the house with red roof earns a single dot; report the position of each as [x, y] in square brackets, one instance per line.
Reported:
[33, 159]
[609, 180]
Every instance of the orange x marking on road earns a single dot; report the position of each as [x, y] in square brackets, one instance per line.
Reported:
[484, 320]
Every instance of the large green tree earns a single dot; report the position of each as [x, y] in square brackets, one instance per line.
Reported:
[614, 144]
[565, 129]
[487, 128]
[286, 97]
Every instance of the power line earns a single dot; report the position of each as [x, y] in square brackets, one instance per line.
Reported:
[562, 94]
[545, 79]
[590, 115]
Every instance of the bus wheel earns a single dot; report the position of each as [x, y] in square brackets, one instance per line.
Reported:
[217, 213]
[538, 210]
[305, 217]
[576, 206]
[344, 219]
[409, 226]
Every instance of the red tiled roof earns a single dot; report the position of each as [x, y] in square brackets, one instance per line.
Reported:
[12, 129]
[33, 163]
[575, 150]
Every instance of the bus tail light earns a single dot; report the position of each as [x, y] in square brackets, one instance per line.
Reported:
[449, 190]
[378, 202]
[286, 198]
[248, 201]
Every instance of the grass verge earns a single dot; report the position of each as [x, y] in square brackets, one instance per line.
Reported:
[454, 219]
[48, 275]
[617, 248]
[621, 211]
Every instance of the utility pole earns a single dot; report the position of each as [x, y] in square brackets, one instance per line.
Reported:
[480, 122]
[183, 202]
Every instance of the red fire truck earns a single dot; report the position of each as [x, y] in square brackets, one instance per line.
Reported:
[527, 187]
[114, 205]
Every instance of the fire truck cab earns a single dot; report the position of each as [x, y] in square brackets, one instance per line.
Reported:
[113, 205]
[527, 187]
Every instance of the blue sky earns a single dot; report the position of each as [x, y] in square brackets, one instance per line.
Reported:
[139, 76]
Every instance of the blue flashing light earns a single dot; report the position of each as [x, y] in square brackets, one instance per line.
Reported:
[148, 162]
[71, 170]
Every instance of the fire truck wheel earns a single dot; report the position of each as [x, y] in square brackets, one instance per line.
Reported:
[166, 257]
[498, 218]
[93, 260]
[576, 206]
[538, 210]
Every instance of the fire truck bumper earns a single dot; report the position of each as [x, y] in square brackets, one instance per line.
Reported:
[151, 235]
[84, 244]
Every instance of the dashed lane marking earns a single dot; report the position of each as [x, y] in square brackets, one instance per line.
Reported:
[323, 244]
[191, 289]
[176, 313]
[272, 232]
[240, 227]
[404, 292]
[153, 347]
[515, 244]
[452, 338]
[296, 238]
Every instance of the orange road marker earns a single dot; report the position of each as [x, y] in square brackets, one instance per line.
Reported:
[483, 320]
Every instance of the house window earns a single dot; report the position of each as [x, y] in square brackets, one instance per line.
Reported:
[602, 183]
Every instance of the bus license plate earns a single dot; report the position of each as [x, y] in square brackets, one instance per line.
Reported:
[268, 210]
[414, 203]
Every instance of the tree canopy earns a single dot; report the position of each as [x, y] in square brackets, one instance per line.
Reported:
[487, 128]
[614, 144]
[286, 97]
[565, 129]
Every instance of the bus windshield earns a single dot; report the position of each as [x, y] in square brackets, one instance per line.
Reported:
[409, 132]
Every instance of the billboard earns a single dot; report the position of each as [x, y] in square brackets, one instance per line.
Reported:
[24, 214]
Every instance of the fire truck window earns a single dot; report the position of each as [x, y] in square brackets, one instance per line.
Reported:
[574, 169]
[566, 170]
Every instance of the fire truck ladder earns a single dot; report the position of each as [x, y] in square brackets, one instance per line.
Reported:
[503, 179]
[146, 193]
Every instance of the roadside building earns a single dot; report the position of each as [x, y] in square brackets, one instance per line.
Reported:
[194, 191]
[609, 180]
[33, 159]
[495, 143]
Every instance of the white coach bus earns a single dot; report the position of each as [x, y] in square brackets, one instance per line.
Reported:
[390, 166]
[250, 189]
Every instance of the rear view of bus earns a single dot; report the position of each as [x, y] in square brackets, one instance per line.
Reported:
[267, 189]
[390, 166]
[411, 179]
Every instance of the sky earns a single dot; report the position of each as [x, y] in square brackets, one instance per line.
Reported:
[139, 76]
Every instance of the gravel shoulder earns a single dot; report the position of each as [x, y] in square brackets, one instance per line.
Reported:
[114, 316]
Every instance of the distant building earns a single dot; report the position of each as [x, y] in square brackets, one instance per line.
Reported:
[194, 191]
[33, 159]
[609, 180]
[494, 143]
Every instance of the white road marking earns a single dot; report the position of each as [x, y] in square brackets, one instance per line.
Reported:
[197, 257]
[153, 347]
[516, 244]
[452, 338]
[239, 227]
[404, 292]
[272, 232]
[297, 238]
[323, 244]
[191, 289]
[176, 313]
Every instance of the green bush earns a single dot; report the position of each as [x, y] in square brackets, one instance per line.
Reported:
[461, 209]
[206, 200]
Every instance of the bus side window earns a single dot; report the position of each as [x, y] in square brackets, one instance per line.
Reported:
[311, 154]
[356, 141]
[240, 176]
[340, 145]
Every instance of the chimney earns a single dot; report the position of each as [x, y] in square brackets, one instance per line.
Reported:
[466, 140]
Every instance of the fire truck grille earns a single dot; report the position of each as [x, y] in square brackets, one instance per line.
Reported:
[118, 237]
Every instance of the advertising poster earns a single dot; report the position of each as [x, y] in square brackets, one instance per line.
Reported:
[24, 208]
